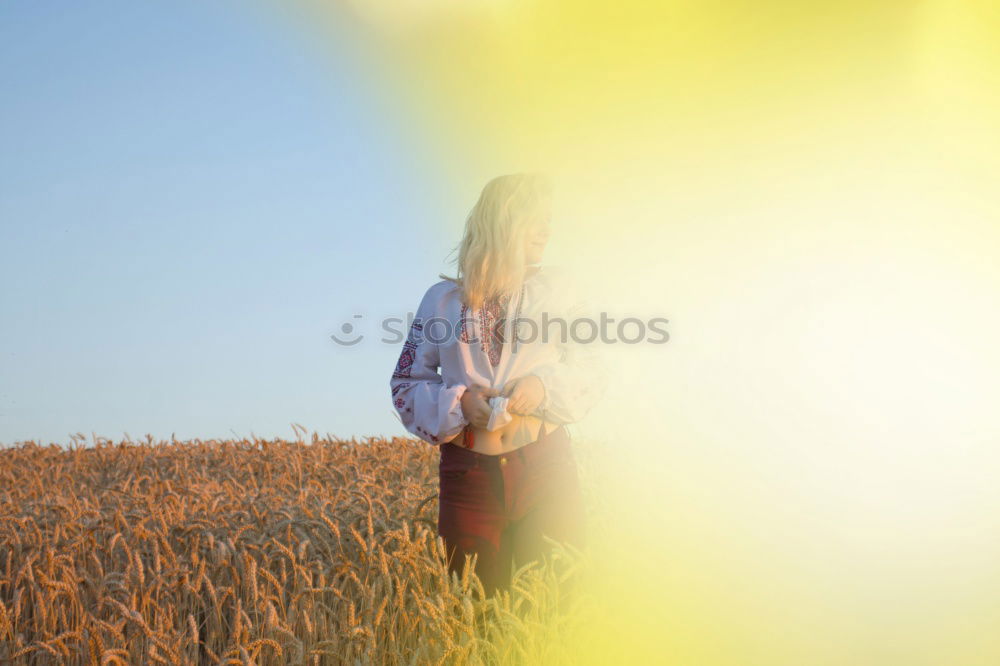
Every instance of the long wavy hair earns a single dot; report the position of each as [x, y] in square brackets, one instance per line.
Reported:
[491, 255]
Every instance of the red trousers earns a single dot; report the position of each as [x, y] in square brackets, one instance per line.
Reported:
[499, 506]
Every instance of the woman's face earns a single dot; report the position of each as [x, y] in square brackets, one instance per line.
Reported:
[537, 238]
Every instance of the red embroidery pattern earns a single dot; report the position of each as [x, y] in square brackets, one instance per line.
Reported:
[492, 324]
[492, 317]
[426, 434]
[463, 330]
[405, 362]
[416, 330]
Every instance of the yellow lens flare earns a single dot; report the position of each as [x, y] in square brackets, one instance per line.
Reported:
[804, 473]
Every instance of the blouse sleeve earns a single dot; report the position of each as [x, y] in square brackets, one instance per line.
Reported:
[428, 408]
[576, 383]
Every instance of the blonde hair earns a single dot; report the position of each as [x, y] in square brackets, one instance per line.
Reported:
[491, 255]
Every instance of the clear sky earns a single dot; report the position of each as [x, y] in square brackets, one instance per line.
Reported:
[193, 197]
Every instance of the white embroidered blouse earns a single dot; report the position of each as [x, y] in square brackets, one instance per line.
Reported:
[481, 346]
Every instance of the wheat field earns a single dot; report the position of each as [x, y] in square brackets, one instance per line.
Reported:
[258, 552]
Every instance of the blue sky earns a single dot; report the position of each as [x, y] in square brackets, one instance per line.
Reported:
[193, 197]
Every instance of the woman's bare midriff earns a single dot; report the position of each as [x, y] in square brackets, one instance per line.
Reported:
[520, 431]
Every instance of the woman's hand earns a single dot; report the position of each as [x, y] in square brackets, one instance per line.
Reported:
[475, 406]
[525, 394]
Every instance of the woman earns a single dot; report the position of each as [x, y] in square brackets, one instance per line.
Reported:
[501, 330]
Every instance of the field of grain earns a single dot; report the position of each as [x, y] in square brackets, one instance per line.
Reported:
[312, 551]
